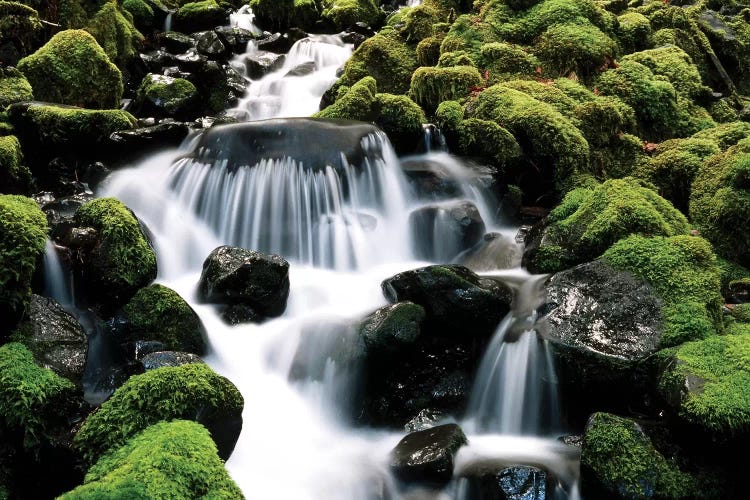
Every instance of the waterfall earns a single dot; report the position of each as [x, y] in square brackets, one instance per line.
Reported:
[245, 19]
[58, 282]
[168, 21]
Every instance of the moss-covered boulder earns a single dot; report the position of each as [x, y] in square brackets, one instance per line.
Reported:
[15, 177]
[579, 48]
[14, 87]
[343, 14]
[618, 460]
[720, 202]
[168, 459]
[73, 69]
[488, 141]
[274, 15]
[355, 103]
[391, 327]
[200, 16]
[431, 86]
[121, 260]
[112, 26]
[675, 65]
[634, 31]
[24, 229]
[159, 313]
[143, 14]
[164, 96]
[19, 27]
[505, 61]
[590, 220]
[190, 392]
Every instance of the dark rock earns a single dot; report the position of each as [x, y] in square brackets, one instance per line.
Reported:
[494, 251]
[425, 419]
[511, 483]
[191, 61]
[427, 456]
[355, 39]
[279, 43]
[166, 96]
[234, 275]
[177, 43]
[56, 339]
[441, 232]
[237, 314]
[302, 69]
[235, 38]
[260, 63]
[154, 137]
[457, 301]
[391, 327]
[189, 19]
[235, 81]
[82, 237]
[142, 348]
[156, 360]
[210, 45]
[175, 72]
[157, 60]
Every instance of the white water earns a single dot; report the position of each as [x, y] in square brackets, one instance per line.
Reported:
[245, 19]
[58, 283]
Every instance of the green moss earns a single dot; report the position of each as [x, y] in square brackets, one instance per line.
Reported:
[355, 104]
[385, 57]
[739, 286]
[731, 272]
[720, 202]
[123, 261]
[113, 28]
[722, 111]
[448, 116]
[468, 33]
[505, 61]
[159, 313]
[188, 392]
[345, 13]
[18, 22]
[548, 92]
[15, 177]
[726, 134]
[428, 51]
[622, 157]
[634, 32]
[30, 396]
[674, 64]
[24, 229]
[489, 141]
[143, 14]
[741, 312]
[174, 97]
[685, 322]
[73, 69]
[582, 49]
[618, 460]
[431, 86]
[281, 15]
[604, 119]
[167, 460]
[198, 16]
[418, 22]
[458, 58]
[71, 14]
[400, 117]
[13, 87]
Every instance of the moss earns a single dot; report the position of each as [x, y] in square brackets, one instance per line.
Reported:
[18, 22]
[122, 262]
[489, 141]
[355, 104]
[385, 57]
[13, 87]
[30, 396]
[582, 49]
[191, 392]
[604, 119]
[740, 285]
[726, 134]
[113, 28]
[24, 230]
[400, 118]
[431, 86]
[618, 460]
[468, 33]
[622, 157]
[720, 202]
[143, 14]
[281, 15]
[722, 111]
[634, 32]
[175, 97]
[159, 313]
[71, 14]
[428, 51]
[548, 92]
[458, 58]
[418, 22]
[198, 16]
[505, 61]
[741, 312]
[73, 69]
[448, 116]
[15, 177]
[345, 13]
[674, 64]
[730, 272]
[167, 460]
[685, 322]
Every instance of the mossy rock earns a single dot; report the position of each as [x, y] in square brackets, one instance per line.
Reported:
[164, 96]
[457, 58]
[707, 383]
[618, 460]
[506, 61]
[279, 16]
[112, 26]
[73, 69]
[676, 65]
[622, 157]
[343, 14]
[448, 116]
[174, 459]
[582, 49]
[159, 313]
[31, 397]
[720, 202]
[634, 32]
[190, 392]
[431, 86]
[428, 51]
[14, 87]
[355, 103]
[143, 15]
[604, 120]
[387, 58]
[418, 22]
[400, 118]
[15, 177]
[122, 260]
[487, 140]
[19, 23]
[24, 229]
[200, 16]
[726, 134]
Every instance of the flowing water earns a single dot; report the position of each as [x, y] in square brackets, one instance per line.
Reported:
[343, 225]
[58, 282]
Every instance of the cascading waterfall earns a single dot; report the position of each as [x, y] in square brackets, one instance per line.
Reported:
[58, 282]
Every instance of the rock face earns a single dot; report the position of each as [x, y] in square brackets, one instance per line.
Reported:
[261, 63]
[427, 456]
[56, 339]
[511, 483]
[440, 232]
[234, 275]
[157, 360]
[391, 327]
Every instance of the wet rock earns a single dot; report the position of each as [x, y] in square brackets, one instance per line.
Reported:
[457, 301]
[440, 232]
[157, 60]
[210, 44]
[511, 483]
[235, 38]
[391, 327]
[425, 419]
[154, 137]
[302, 69]
[199, 16]
[156, 360]
[237, 314]
[494, 251]
[261, 63]
[427, 456]
[191, 61]
[234, 275]
[165, 96]
[82, 237]
[55, 338]
[177, 43]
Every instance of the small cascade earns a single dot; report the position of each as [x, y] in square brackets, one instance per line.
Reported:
[434, 140]
[245, 19]
[296, 88]
[515, 392]
[58, 282]
[168, 21]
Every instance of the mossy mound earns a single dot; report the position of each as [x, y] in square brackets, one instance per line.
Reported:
[159, 313]
[488, 141]
[73, 69]
[15, 177]
[675, 65]
[618, 460]
[190, 392]
[200, 16]
[122, 260]
[505, 61]
[431, 86]
[24, 229]
[14, 87]
[720, 202]
[707, 383]
[634, 32]
[19, 23]
[112, 26]
[572, 48]
[31, 397]
[353, 103]
[589, 221]
[170, 459]
[343, 14]
[622, 157]
[143, 14]
[164, 96]
[278, 16]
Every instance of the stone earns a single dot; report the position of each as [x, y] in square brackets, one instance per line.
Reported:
[427, 456]
[260, 63]
[441, 232]
[494, 251]
[155, 360]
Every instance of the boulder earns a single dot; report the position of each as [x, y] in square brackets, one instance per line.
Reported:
[210, 44]
[164, 96]
[260, 63]
[391, 327]
[156, 360]
[234, 275]
[494, 251]
[427, 456]
[198, 16]
[518, 482]
[235, 38]
[177, 43]
[302, 69]
[142, 139]
[441, 232]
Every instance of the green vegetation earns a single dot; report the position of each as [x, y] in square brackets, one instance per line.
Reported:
[574, 48]
[505, 61]
[143, 14]
[487, 140]
[122, 261]
[399, 117]
[159, 313]
[634, 31]
[167, 460]
[24, 229]
[280, 15]
[190, 392]
[73, 69]
[18, 22]
[448, 116]
[344, 13]
[113, 28]
[15, 177]
[431, 86]
[175, 97]
[31, 397]
[13, 87]
[618, 460]
[676, 66]
[355, 103]
[199, 16]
